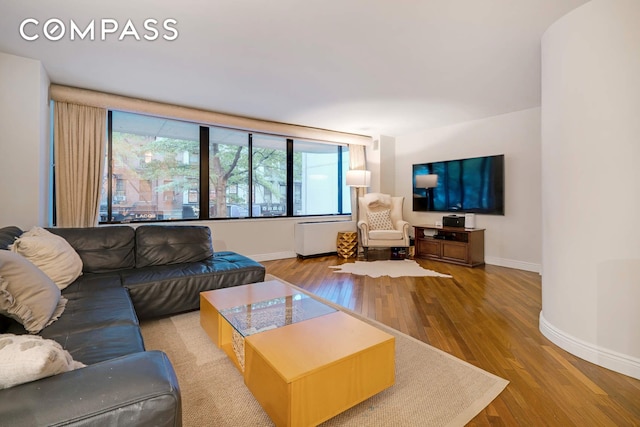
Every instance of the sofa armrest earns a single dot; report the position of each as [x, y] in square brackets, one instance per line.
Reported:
[138, 389]
[8, 235]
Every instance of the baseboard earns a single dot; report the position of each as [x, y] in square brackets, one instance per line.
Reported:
[510, 263]
[272, 256]
[317, 255]
[600, 356]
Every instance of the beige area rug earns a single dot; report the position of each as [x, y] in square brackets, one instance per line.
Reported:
[395, 268]
[432, 387]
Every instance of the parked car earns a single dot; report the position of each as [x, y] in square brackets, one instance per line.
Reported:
[104, 213]
[190, 211]
[235, 211]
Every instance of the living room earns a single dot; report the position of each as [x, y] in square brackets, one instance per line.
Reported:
[552, 223]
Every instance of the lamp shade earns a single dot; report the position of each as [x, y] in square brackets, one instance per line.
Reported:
[358, 178]
[426, 181]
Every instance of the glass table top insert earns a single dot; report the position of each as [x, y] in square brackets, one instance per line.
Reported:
[274, 313]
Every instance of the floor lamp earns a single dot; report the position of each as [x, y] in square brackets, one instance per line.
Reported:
[359, 180]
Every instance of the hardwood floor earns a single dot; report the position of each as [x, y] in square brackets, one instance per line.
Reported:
[487, 316]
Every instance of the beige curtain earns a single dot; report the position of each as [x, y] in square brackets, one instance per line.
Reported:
[357, 161]
[79, 145]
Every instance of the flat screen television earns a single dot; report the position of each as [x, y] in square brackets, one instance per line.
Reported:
[473, 185]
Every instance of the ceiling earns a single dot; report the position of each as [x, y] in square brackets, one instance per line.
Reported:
[371, 67]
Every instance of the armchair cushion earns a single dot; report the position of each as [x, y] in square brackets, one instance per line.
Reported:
[380, 220]
[386, 234]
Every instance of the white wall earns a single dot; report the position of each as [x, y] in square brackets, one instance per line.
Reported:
[387, 170]
[24, 142]
[512, 240]
[259, 239]
[591, 184]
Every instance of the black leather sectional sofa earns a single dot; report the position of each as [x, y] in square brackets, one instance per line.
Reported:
[128, 274]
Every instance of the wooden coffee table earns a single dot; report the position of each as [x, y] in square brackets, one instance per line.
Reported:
[304, 361]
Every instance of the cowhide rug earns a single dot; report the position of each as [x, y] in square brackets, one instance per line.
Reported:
[396, 268]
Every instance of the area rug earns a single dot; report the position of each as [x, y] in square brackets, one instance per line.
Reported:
[396, 268]
[432, 387]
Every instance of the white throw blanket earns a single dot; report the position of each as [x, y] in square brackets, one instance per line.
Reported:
[375, 200]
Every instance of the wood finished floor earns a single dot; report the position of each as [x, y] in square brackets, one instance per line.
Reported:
[487, 316]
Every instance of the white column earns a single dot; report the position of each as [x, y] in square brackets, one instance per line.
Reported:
[24, 142]
[591, 184]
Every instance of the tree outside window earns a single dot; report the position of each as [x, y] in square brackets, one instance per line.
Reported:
[155, 173]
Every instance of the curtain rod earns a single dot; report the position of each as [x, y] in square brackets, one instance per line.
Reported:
[133, 105]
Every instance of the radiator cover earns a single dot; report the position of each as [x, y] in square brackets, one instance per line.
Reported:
[319, 237]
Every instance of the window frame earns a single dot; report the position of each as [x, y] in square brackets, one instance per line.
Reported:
[203, 177]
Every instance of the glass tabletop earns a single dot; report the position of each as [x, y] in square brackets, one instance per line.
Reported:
[274, 313]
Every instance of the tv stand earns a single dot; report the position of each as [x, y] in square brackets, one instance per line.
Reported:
[457, 245]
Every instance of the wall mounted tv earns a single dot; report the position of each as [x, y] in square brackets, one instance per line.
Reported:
[473, 185]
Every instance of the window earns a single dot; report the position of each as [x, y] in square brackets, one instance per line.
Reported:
[228, 173]
[162, 169]
[318, 171]
[154, 166]
[269, 167]
[120, 195]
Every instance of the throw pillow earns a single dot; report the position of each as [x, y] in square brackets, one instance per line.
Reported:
[380, 220]
[27, 294]
[25, 358]
[50, 253]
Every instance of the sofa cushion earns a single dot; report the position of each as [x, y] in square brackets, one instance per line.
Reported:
[4, 323]
[97, 345]
[170, 289]
[164, 244]
[92, 282]
[50, 253]
[25, 358]
[27, 294]
[94, 309]
[101, 249]
[8, 235]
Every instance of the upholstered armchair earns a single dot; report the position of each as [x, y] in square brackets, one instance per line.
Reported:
[380, 222]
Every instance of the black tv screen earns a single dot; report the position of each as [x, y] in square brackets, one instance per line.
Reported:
[473, 185]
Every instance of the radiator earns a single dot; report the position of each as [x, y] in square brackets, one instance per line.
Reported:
[316, 238]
